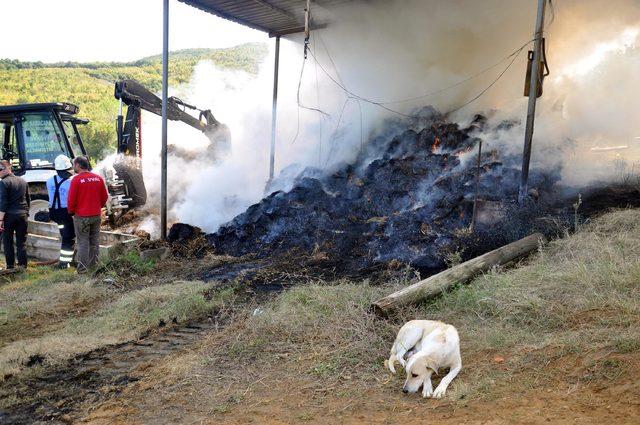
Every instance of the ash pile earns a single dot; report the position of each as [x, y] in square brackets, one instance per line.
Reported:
[406, 199]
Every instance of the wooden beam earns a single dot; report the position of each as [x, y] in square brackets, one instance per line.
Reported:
[43, 241]
[296, 30]
[437, 284]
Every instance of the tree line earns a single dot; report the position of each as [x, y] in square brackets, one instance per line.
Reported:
[90, 85]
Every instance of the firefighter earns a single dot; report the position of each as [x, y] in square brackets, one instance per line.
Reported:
[87, 196]
[58, 188]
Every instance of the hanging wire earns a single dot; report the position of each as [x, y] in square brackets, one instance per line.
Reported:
[298, 97]
[300, 105]
[488, 87]
[335, 132]
[361, 127]
[390, 102]
[333, 64]
[351, 95]
[382, 105]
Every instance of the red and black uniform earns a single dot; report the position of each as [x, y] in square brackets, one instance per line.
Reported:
[87, 196]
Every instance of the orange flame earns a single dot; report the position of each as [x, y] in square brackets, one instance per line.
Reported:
[436, 143]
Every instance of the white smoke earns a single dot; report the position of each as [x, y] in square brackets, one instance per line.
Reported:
[208, 194]
[200, 191]
[395, 50]
[390, 51]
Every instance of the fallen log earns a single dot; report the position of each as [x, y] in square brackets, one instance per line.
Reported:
[437, 284]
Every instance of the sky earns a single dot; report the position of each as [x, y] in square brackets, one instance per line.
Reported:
[109, 30]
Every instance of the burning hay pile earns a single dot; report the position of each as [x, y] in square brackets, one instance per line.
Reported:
[406, 199]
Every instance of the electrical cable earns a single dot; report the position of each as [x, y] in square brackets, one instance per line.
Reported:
[390, 102]
[298, 109]
[300, 105]
[488, 87]
[335, 68]
[335, 132]
[513, 55]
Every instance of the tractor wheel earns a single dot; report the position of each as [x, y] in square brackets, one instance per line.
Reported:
[39, 209]
[130, 173]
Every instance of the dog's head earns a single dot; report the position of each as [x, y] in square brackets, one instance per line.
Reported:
[419, 368]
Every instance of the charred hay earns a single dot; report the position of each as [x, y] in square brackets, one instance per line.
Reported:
[407, 198]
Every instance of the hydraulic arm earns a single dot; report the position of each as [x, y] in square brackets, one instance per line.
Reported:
[137, 97]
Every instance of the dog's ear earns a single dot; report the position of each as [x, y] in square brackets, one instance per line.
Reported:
[429, 364]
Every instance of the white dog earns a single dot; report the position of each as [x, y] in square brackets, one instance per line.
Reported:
[436, 346]
[409, 341]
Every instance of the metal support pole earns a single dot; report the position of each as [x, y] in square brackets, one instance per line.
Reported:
[475, 199]
[531, 110]
[165, 92]
[307, 27]
[274, 110]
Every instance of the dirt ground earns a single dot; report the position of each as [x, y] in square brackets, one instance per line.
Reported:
[552, 339]
[566, 393]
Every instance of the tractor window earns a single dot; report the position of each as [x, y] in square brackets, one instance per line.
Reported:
[72, 137]
[9, 144]
[11, 148]
[43, 139]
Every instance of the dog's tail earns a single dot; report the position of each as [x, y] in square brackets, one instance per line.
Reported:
[390, 364]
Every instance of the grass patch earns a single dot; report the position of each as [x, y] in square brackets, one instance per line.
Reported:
[122, 319]
[141, 310]
[40, 299]
[124, 267]
[327, 325]
[626, 344]
[569, 300]
[51, 299]
[34, 278]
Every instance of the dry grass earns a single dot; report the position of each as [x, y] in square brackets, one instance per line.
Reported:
[119, 320]
[35, 302]
[577, 297]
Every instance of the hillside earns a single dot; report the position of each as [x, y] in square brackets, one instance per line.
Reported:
[90, 85]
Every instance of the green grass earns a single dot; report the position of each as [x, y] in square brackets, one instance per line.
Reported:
[124, 268]
[41, 295]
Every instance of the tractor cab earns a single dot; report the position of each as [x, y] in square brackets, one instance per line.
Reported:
[33, 135]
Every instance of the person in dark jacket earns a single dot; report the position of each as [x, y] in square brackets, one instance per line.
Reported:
[14, 212]
[58, 189]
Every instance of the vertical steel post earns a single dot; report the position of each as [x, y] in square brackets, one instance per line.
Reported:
[165, 91]
[274, 110]
[475, 199]
[533, 94]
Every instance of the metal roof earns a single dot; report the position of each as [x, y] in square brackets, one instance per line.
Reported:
[28, 107]
[276, 17]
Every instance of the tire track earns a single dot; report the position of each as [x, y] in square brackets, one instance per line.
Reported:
[59, 394]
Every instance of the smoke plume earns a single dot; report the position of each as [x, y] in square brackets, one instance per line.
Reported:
[386, 55]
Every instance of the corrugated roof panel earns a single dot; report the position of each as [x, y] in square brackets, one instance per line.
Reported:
[277, 17]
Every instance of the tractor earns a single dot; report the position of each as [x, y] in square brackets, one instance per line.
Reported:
[33, 135]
